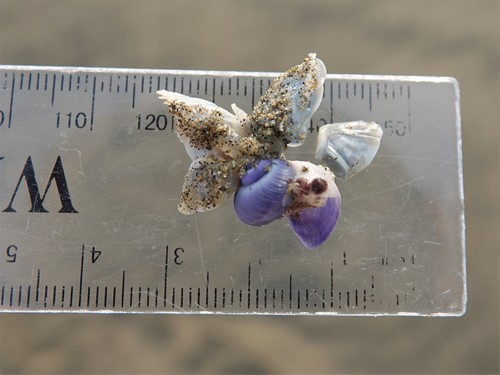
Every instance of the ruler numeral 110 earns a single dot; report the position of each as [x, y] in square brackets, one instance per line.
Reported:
[72, 120]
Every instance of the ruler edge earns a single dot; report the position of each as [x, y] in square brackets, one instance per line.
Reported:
[228, 74]
[223, 73]
[452, 314]
[461, 193]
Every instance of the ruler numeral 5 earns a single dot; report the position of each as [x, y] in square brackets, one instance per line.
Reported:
[11, 253]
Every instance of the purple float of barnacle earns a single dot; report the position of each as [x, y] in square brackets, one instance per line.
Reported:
[304, 193]
[243, 154]
[261, 197]
[313, 226]
[314, 209]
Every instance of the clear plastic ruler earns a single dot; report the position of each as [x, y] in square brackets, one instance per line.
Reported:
[90, 176]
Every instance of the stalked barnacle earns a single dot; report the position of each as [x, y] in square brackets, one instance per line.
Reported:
[213, 138]
[209, 182]
[204, 127]
[281, 116]
[348, 147]
[243, 154]
[303, 192]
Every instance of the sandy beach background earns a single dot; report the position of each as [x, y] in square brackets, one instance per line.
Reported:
[458, 38]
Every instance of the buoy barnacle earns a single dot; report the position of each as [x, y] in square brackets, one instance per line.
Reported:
[243, 154]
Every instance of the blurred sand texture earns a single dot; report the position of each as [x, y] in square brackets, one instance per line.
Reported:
[458, 38]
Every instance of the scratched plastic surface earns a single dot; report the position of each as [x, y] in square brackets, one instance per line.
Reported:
[398, 248]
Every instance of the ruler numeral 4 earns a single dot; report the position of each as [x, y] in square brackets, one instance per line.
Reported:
[95, 254]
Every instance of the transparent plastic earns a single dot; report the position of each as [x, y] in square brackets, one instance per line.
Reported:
[99, 141]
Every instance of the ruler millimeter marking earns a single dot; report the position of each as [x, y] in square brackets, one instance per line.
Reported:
[90, 175]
